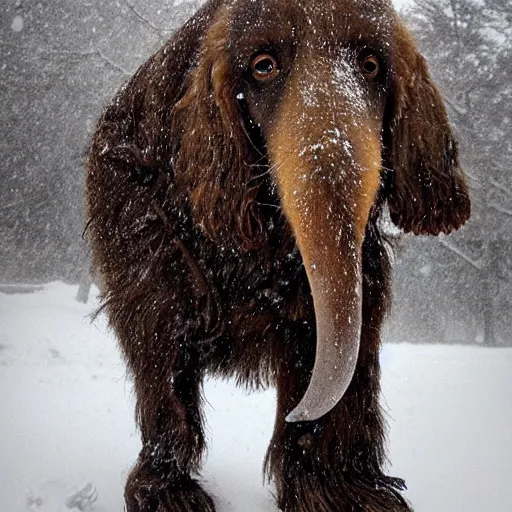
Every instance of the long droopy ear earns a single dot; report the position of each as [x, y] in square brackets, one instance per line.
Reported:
[427, 189]
[175, 129]
[131, 160]
[215, 159]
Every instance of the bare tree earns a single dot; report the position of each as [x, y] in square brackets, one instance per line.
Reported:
[469, 47]
[61, 61]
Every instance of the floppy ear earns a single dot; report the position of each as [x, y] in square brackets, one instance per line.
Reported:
[427, 189]
[215, 159]
[131, 158]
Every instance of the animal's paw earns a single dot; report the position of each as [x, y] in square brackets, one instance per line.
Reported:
[151, 498]
[342, 493]
[147, 492]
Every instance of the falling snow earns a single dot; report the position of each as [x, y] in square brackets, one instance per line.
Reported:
[17, 24]
[68, 437]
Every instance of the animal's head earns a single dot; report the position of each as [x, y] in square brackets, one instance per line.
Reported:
[335, 98]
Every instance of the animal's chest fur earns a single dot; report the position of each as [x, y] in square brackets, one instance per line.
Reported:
[266, 308]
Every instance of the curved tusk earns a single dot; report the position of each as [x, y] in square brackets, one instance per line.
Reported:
[338, 337]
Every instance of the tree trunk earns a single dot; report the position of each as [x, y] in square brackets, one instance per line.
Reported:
[489, 289]
[84, 286]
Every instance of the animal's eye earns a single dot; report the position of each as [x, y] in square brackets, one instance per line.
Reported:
[370, 67]
[264, 67]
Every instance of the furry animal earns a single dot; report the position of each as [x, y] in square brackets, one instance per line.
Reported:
[234, 192]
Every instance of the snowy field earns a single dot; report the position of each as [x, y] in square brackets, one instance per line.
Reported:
[67, 431]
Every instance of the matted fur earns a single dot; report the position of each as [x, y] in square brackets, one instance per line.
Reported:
[201, 272]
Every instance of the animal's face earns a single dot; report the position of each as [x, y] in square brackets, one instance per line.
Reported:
[337, 92]
[308, 56]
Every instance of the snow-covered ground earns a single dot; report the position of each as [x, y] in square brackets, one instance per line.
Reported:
[66, 419]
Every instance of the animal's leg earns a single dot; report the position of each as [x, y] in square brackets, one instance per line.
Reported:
[334, 464]
[169, 417]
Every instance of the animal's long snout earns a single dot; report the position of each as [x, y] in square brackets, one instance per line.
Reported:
[327, 155]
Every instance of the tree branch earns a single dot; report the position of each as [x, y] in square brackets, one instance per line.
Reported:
[112, 63]
[91, 53]
[502, 187]
[458, 110]
[459, 253]
[500, 209]
[145, 20]
[77, 53]
[74, 53]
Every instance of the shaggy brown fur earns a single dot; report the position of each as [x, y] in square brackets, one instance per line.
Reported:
[201, 271]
